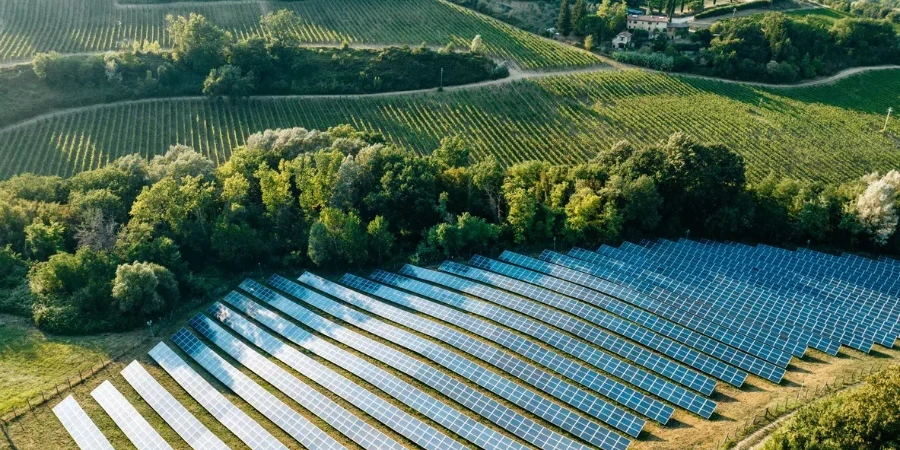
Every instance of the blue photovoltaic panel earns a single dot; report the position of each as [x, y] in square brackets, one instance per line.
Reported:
[795, 306]
[589, 332]
[455, 390]
[175, 414]
[129, 420]
[614, 390]
[246, 429]
[270, 406]
[639, 334]
[335, 415]
[707, 311]
[521, 426]
[560, 415]
[80, 426]
[638, 316]
[613, 366]
[352, 426]
[760, 315]
[669, 312]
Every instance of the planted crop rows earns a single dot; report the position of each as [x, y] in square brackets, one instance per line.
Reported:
[811, 133]
[73, 26]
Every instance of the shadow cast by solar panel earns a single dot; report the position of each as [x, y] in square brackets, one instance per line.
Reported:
[789, 383]
[720, 397]
[796, 369]
[749, 386]
[879, 354]
[808, 358]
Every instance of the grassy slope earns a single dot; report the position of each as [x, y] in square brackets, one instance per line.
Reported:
[69, 26]
[31, 361]
[821, 133]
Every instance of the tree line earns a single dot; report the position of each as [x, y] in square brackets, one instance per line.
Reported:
[209, 60]
[110, 248]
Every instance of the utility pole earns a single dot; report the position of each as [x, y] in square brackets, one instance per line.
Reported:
[733, 13]
[890, 110]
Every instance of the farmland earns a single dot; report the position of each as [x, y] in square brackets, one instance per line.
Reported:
[827, 133]
[73, 26]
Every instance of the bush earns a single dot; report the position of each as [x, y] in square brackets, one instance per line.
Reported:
[144, 289]
[861, 419]
[655, 61]
[228, 81]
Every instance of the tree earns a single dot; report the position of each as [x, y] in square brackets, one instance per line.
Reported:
[465, 234]
[877, 207]
[337, 239]
[197, 42]
[380, 238]
[589, 42]
[578, 12]
[228, 81]
[477, 45]
[143, 289]
[95, 231]
[453, 152]
[180, 161]
[564, 21]
[487, 178]
[44, 240]
[282, 27]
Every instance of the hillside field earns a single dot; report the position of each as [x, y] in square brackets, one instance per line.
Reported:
[72, 26]
[828, 133]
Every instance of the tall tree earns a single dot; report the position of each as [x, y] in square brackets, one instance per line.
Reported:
[564, 22]
[577, 13]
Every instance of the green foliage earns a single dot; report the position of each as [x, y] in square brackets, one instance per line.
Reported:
[282, 27]
[465, 235]
[860, 419]
[44, 240]
[228, 81]
[564, 20]
[337, 239]
[144, 289]
[197, 42]
[655, 61]
[380, 238]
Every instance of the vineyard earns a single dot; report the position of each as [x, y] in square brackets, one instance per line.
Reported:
[824, 133]
[73, 26]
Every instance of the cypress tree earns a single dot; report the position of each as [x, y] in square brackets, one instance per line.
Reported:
[564, 22]
[577, 14]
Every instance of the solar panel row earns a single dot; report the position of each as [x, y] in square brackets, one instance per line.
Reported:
[580, 350]
[610, 388]
[82, 429]
[128, 419]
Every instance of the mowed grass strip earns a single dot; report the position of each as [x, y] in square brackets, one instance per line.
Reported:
[73, 26]
[825, 133]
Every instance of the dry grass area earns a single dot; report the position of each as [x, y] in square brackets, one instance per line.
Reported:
[737, 407]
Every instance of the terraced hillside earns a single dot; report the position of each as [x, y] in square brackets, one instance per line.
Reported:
[822, 133]
[73, 26]
[663, 345]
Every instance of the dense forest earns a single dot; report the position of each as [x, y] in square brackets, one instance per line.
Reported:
[108, 249]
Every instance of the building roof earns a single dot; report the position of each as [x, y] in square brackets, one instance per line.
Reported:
[626, 34]
[659, 19]
[679, 25]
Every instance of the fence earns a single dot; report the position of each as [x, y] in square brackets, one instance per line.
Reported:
[792, 403]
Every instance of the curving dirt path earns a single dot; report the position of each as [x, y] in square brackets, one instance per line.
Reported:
[515, 75]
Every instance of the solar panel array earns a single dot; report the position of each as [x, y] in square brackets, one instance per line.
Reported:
[560, 351]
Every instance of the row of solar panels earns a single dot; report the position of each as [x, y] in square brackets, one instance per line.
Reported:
[587, 346]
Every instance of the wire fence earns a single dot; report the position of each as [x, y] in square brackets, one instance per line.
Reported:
[793, 402]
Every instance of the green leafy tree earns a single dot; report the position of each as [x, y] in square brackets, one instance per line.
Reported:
[337, 239]
[564, 21]
[487, 178]
[180, 161]
[197, 43]
[229, 81]
[282, 27]
[453, 152]
[44, 240]
[477, 45]
[380, 238]
[578, 12]
[144, 289]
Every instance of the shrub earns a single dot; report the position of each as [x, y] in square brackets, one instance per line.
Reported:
[655, 61]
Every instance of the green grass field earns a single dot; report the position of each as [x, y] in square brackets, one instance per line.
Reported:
[820, 133]
[31, 361]
[72, 26]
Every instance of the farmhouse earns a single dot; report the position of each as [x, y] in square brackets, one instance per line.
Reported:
[652, 24]
[622, 40]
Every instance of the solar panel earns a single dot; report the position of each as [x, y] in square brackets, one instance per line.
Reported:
[174, 413]
[314, 401]
[270, 406]
[610, 388]
[129, 420]
[788, 310]
[708, 311]
[562, 416]
[669, 312]
[521, 426]
[576, 326]
[640, 317]
[238, 422]
[639, 334]
[586, 353]
[352, 426]
[80, 426]
[758, 312]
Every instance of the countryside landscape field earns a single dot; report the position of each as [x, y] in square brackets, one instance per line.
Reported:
[127, 212]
